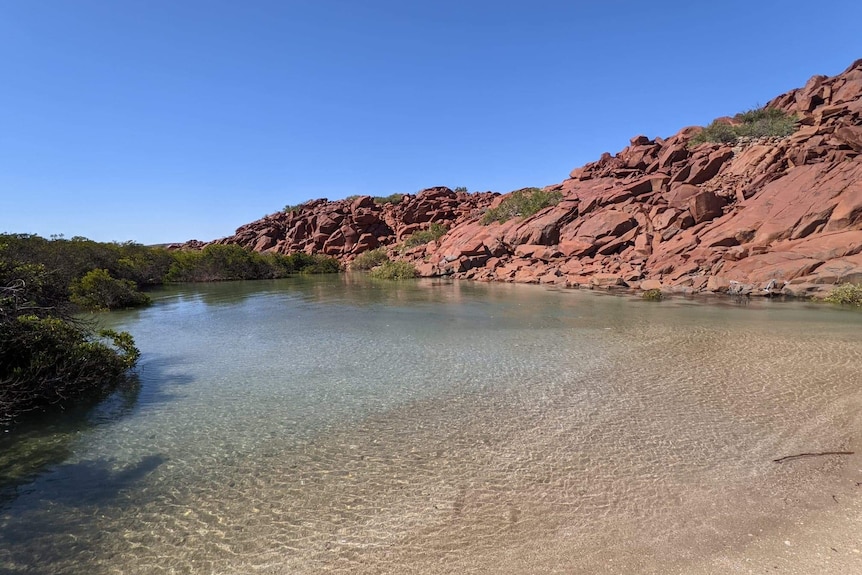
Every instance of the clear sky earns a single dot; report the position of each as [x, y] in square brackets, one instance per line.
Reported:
[167, 120]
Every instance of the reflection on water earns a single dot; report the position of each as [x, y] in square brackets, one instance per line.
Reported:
[342, 425]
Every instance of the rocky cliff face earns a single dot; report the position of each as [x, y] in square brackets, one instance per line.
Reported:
[346, 228]
[766, 215]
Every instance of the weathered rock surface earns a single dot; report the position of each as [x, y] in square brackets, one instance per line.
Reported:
[348, 227]
[770, 215]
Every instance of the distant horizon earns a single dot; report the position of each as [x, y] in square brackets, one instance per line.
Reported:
[172, 121]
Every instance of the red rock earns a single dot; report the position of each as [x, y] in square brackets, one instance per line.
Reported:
[544, 227]
[705, 206]
[848, 209]
[717, 284]
[643, 244]
[764, 267]
[650, 284]
[680, 194]
[263, 243]
[664, 219]
[366, 242]
[602, 280]
[840, 270]
[708, 167]
[789, 209]
[605, 223]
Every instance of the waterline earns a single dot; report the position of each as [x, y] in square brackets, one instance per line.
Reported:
[337, 425]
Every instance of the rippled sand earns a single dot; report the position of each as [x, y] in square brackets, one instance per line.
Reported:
[571, 434]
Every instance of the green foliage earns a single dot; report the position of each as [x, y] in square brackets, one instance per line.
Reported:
[97, 290]
[522, 203]
[716, 131]
[397, 270]
[652, 295]
[461, 189]
[846, 294]
[218, 262]
[310, 264]
[71, 260]
[47, 359]
[434, 232]
[390, 199]
[755, 123]
[370, 259]
[292, 208]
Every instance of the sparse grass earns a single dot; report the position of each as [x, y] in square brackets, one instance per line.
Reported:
[652, 295]
[756, 123]
[394, 271]
[522, 203]
[369, 260]
[290, 208]
[846, 294]
[432, 234]
[390, 199]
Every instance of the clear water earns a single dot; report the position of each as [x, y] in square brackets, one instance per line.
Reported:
[340, 425]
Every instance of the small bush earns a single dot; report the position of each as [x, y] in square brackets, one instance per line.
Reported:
[97, 290]
[370, 259]
[320, 264]
[846, 294]
[755, 123]
[50, 362]
[292, 208]
[390, 199]
[434, 232]
[652, 295]
[394, 271]
[522, 203]
[461, 189]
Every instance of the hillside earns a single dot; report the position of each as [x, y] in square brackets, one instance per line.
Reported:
[758, 215]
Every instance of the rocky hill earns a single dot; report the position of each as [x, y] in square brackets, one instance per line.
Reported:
[760, 215]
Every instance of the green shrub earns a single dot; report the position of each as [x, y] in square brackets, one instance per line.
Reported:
[522, 203]
[318, 264]
[755, 123]
[461, 189]
[390, 199]
[50, 362]
[97, 290]
[846, 294]
[218, 262]
[48, 359]
[434, 232]
[370, 259]
[292, 208]
[394, 271]
[652, 295]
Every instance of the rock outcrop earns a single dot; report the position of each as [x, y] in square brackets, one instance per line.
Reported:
[346, 228]
[767, 215]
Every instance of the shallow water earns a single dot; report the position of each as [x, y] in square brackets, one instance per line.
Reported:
[339, 425]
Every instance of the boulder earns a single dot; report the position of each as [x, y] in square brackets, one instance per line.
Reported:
[705, 206]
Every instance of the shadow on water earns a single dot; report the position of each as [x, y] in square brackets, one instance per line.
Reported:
[40, 541]
[43, 444]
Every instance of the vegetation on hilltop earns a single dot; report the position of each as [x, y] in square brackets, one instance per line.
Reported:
[390, 199]
[755, 123]
[420, 237]
[522, 203]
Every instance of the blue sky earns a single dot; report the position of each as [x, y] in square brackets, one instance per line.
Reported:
[167, 120]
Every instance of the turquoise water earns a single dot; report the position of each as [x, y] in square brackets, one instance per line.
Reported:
[342, 425]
